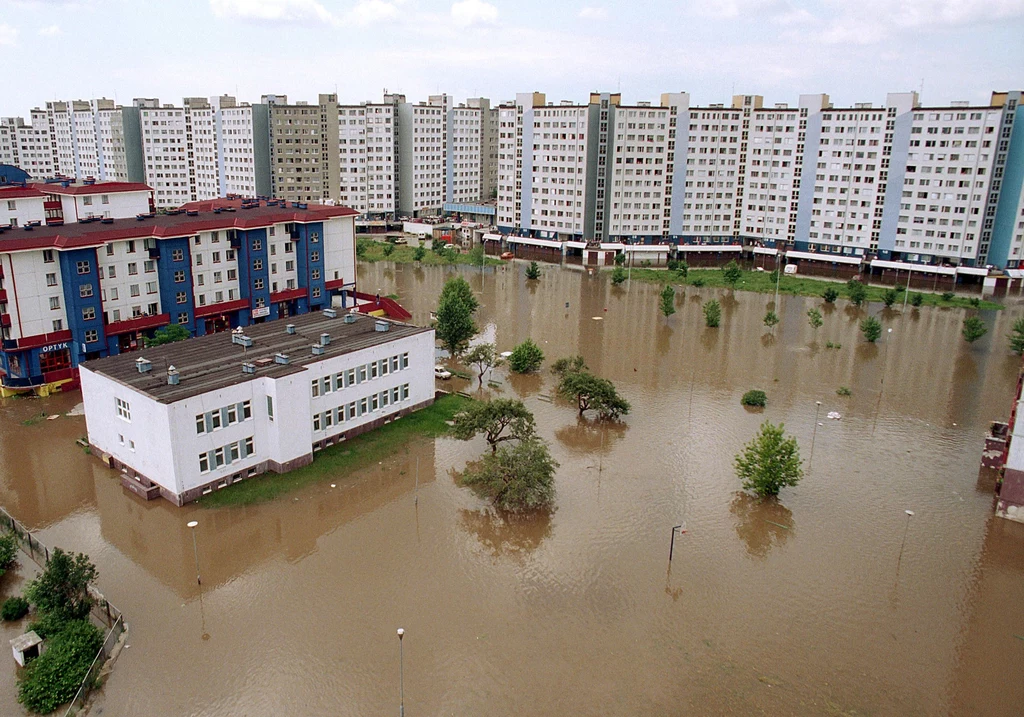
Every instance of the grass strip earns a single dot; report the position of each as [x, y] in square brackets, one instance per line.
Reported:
[344, 458]
[372, 251]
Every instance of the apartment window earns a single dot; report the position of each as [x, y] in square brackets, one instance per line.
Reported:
[87, 201]
[85, 291]
[110, 250]
[316, 292]
[257, 284]
[270, 407]
[182, 318]
[314, 256]
[48, 256]
[83, 266]
[92, 336]
[204, 463]
[180, 297]
[88, 313]
[179, 276]
[257, 245]
[150, 266]
[131, 246]
[111, 272]
[133, 268]
[51, 280]
[124, 410]
[314, 237]
[54, 303]
[133, 289]
[315, 387]
[178, 255]
[199, 259]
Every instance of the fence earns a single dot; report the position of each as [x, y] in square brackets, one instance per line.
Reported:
[102, 611]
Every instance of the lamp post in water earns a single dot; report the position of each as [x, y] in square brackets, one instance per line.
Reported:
[195, 548]
[401, 675]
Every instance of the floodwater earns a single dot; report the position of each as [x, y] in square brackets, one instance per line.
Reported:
[831, 601]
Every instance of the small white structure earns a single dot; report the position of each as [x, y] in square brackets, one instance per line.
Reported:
[184, 419]
[27, 647]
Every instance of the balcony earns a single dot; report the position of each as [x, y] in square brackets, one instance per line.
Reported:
[138, 323]
[5, 320]
[3, 296]
[154, 252]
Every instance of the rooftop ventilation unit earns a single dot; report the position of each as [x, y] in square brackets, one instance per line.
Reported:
[289, 328]
[381, 326]
[143, 365]
[172, 376]
[248, 368]
[241, 340]
[330, 313]
[281, 358]
[318, 350]
[350, 318]
[325, 339]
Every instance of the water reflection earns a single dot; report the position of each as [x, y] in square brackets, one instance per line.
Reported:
[762, 523]
[590, 435]
[507, 534]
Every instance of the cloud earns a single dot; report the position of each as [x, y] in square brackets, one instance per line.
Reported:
[296, 11]
[368, 12]
[8, 35]
[50, 31]
[866, 22]
[467, 13]
[593, 13]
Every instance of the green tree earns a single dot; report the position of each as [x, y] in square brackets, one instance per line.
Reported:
[53, 678]
[516, 479]
[8, 552]
[167, 335]
[419, 253]
[389, 249]
[618, 275]
[484, 357]
[682, 268]
[771, 319]
[814, 318]
[61, 590]
[458, 286]
[712, 313]
[974, 329]
[856, 292]
[755, 398]
[533, 271]
[770, 461]
[526, 357]
[1016, 337]
[620, 258]
[668, 300]
[830, 295]
[437, 246]
[493, 419]
[450, 254]
[454, 326]
[732, 273]
[889, 297]
[592, 393]
[569, 364]
[871, 328]
[916, 299]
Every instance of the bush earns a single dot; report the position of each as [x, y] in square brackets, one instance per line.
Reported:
[53, 678]
[618, 275]
[732, 273]
[974, 329]
[8, 552]
[698, 281]
[844, 391]
[947, 295]
[419, 253]
[620, 258]
[975, 301]
[533, 271]
[830, 295]
[916, 299]
[516, 479]
[672, 265]
[389, 249]
[871, 328]
[755, 397]
[682, 268]
[1016, 337]
[167, 335]
[14, 608]
[526, 357]
[889, 297]
[712, 314]
[857, 292]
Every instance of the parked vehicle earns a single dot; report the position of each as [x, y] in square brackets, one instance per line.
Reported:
[442, 373]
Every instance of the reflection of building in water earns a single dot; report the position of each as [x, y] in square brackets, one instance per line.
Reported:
[990, 659]
[233, 541]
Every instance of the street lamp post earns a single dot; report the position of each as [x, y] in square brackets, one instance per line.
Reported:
[195, 548]
[401, 675]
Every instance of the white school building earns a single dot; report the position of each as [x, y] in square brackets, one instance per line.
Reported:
[184, 419]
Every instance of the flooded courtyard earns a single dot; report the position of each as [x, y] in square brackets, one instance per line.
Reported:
[801, 606]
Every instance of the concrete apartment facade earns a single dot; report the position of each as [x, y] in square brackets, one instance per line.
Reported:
[185, 419]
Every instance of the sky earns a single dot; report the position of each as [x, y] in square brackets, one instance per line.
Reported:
[853, 50]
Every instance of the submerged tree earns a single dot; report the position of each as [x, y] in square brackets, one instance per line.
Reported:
[503, 419]
[770, 461]
[533, 271]
[712, 313]
[814, 318]
[568, 364]
[871, 328]
[592, 393]
[889, 297]
[856, 292]
[1016, 337]
[484, 357]
[618, 275]
[516, 479]
[732, 273]
[168, 335]
[526, 357]
[771, 319]
[668, 300]
[455, 309]
[974, 329]
[830, 295]
[62, 590]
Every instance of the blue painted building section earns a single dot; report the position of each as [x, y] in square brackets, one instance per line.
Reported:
[80, 271]
[805, 203]
[253, 268]
[174, 272]
[894, 185]
[1001, 244]
[309, 253]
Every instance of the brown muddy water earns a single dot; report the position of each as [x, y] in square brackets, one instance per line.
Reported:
[801, 607]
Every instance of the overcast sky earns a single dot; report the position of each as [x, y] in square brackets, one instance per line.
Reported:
[854, 50]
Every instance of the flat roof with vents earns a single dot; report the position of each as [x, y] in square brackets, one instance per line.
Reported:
[207, 363]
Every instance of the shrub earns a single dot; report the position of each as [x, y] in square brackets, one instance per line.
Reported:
[698, 281]
[814, 318]
[889, 297]
[526, 357]
[770, 461]
[712, 313]
[947, 295]
[974, 329]
[618, 275]
[830, 295]
[668, 300]
[871, 328]
[533, 271]
[516, 479]
[682, 268]
[14, 608]
[620, 258]
[167, 335]
[975, 301]
[1016, 337]
[857, 292]
[771, 319]
[755, 397]
[8, 552]
[389, 249]
[672, 265]
[53, 678]
[419, 253]
[646, 263]
[844, 391]
[916, 299]
[732, 273]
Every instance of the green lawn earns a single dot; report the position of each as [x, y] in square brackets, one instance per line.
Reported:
[371, 250]
[761, 282]
[342, 459]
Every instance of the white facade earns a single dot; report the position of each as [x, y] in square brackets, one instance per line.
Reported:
[201, 146]
[165, 153]
[235, 147]
[368, 157]
[199, 443]
[641, 144]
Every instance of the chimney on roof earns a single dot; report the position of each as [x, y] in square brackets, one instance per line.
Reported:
[330, 313]
[318, 350]
[249, 368]
[289, 328]
[325, 339]
[281, 358]
[143, 365]
[172, 376]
